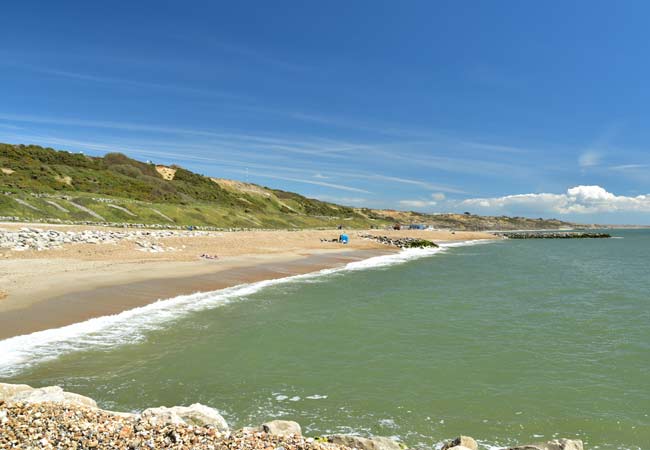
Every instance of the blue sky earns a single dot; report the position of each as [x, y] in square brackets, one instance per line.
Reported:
[493, 107]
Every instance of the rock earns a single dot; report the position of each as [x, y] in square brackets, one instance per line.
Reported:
[40, 240]
[556, 235]
[400, 242]
[49, 425]
[282, 428]
[555, 444]
[124, 415]
[52, 394]
[196, 414]
[9, 390]
[361, 443]
[161, 416]
[462, 442]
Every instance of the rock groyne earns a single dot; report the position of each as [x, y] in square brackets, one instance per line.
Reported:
[553, 235]
[39, 239]
[405, 242]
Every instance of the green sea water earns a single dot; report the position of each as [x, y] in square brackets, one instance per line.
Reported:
[508, 342]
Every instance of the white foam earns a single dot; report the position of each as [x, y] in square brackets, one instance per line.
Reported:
[21, 352]
[388, 423]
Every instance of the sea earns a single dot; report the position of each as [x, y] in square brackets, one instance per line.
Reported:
[511, 342]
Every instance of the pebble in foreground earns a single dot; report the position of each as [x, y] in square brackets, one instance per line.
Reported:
[51, 418]
[55, 426]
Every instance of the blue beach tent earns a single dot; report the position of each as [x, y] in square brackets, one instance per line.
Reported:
[344, 239]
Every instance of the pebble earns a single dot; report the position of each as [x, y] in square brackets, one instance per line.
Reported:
[69, 427]
[41, 240]
[405, 242]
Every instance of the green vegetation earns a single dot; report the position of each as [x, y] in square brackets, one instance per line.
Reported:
[419, 243]
[466, 221]
[46, 184]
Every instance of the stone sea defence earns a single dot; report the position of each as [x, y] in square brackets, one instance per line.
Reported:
[39, 239]
[553, 235]
[51, 418]
[400, 242]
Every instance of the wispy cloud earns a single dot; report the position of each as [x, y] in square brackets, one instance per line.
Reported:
[338, 121]
[320, 147]
[461, 165]
[594, 154]
[248, 54]
[260, 56]
[589, 158]
[422, 184]
[494, 147]
[305, 181]
[625, 167]
[127, 82]
[417, 203]
[349, 201]
[423, 203]
[10, 127]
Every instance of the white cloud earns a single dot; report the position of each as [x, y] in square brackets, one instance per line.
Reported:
[589, 159]
[436, 196]
[578, 199]
[417, 203]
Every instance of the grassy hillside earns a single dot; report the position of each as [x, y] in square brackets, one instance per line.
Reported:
[466, 221]
[47, 184]
[44, 184]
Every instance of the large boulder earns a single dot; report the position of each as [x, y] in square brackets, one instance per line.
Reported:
[282, 428]
[461, 443]
[7, 391]
[555, 444]
[362, 443]
[196, 414]
[52, 394]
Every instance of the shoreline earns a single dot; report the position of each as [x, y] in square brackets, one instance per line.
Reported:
[74, 282]
[124, 290]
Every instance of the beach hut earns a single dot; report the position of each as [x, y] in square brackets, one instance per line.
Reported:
[344, 239]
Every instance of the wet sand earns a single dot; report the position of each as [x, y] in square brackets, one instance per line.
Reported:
[78, 306]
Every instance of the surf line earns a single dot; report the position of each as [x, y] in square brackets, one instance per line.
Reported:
[131, 326]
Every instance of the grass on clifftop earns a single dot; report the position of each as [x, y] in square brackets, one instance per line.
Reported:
[46, 183]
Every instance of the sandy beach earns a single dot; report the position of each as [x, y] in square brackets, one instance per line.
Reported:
[61, 286]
